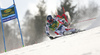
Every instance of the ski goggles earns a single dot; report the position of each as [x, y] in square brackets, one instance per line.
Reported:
[50, 20]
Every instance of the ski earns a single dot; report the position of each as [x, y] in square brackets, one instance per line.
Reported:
[66, 34]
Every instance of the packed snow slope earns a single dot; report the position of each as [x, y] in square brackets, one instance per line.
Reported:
[82, 43]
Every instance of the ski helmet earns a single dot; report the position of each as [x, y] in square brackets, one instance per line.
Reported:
[49, 18]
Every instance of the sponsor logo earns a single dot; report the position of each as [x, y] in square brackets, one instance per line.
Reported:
[8, 10]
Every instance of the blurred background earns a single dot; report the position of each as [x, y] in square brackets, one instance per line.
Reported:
[32, 16]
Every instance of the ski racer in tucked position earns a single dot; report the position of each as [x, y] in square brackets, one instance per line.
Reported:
[57, 25]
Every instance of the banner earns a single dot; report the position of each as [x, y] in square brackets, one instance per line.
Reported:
[8, 14]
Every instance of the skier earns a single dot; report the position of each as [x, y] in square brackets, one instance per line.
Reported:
[56, 25]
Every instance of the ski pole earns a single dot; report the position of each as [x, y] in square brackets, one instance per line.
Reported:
[64, 14]
[86, 20]
[83, 21]
[63, 10]
[65, 17]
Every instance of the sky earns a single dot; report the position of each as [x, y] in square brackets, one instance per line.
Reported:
[24, 5]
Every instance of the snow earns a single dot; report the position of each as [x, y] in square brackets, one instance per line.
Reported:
[82, 43]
